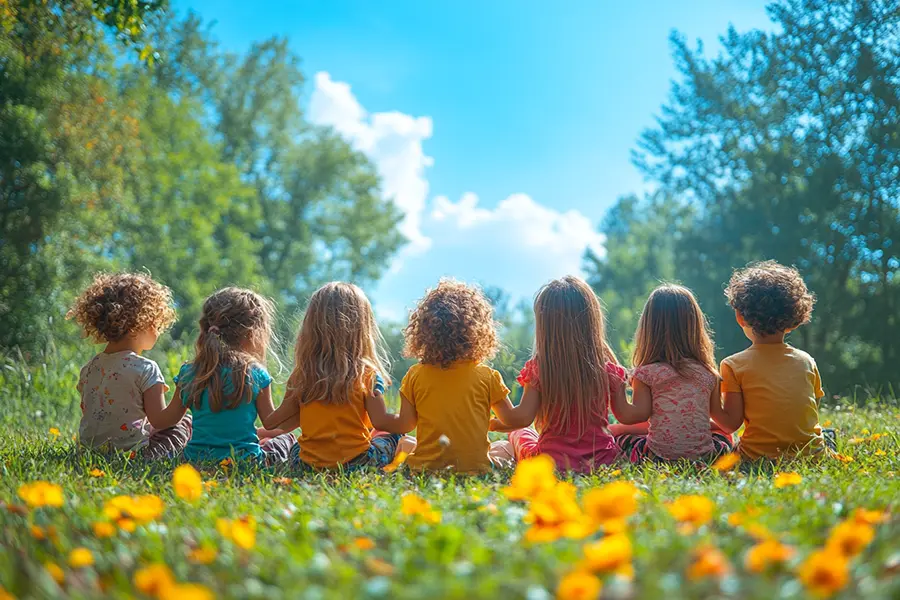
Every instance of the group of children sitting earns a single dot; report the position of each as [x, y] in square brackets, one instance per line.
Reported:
[681, 406]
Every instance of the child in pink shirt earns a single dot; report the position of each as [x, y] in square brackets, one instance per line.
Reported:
[675, 383]
[568, 383]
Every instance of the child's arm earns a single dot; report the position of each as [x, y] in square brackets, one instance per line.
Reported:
[402, 422]
[730, 414]
[641, 402]
[636, 429]
[276, 421]
[160, 415]
[510, 418]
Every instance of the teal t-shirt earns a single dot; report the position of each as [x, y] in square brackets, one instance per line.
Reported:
[229, 432]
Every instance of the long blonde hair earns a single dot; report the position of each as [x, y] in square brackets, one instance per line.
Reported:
[673, 330]
[571, 352]
[235, 332]
[339, 347]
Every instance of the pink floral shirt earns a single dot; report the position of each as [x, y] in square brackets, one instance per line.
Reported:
[570, 451]
[679, 417]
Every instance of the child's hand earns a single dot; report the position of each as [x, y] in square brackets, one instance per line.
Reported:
[498, 426]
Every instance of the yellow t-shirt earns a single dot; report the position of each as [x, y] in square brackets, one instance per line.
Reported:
[332, 434]
[781, 387]
[454, 404]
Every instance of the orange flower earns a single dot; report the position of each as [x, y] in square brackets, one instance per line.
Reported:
[203, 556]
[726, 462]
[187, 483]
[824, 573]
[242, 532]
[153, 580]
[554, 513]
[95, 472]
[103, 529]
[578, 585]
[364, 543]
[186, 591]
[532, 476]
[614, 501]
[767, 554]
[41, 493]
[787, 479]
[285, 481]
[708, 562]
[80, 557]
[398, 460]
[850, 538]
[38, 533]
[141, 509]
[611, 554]
[413, 505]
[56, 573]
[869, 517]
[694, 511]
[843, 458]
[54, 432]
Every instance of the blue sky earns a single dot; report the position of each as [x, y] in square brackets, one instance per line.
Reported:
[503, 129]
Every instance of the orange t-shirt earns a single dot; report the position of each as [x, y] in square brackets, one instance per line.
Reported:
[781, 388]
[332, 434]
[454, 411]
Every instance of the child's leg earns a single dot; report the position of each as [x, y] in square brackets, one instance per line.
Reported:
[407, 444]
[618, 429]
[524, 443]
[501, 454]
[830, 436]
[633, 447]
[722, 442]
[278, 449]
[169, 443]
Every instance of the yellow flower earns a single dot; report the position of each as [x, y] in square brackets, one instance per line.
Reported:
[364, 543]
[127, 525]
[615, 473]
[708, 562]
[869, 517]
[726, 462]
[610, 554]
[187, 591]
[532, 476]
[4, 595]
[612, 502]
[578, 585]
[104, 529]
[693, 511]
[95, 472]
[398, 460]
[880, 453]
[41, 493]
[786, 479]
[141, 509]
[413, 505]
[55, 572]
[285, 481]
[203, 555]
[80, 557]
[827, 423]
[38, 533]
[824, 573]
[843, 458]
[850, 538]
[554, 513]
[210, 484]
[54, 432]
[187, 483]
[242, 532]
[766, 554]
[153, 580]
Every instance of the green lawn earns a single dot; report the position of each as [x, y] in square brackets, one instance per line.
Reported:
[346, 536]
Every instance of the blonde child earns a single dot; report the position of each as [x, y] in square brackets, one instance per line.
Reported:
[772, 388]
[569, 383]
[120, 389]
[447, 397]
[675, 383]
[227, 381]
[339, 364]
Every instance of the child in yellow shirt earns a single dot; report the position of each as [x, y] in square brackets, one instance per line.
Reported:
[772, 388]
[449, 394]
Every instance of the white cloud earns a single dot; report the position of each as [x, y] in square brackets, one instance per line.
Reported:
[517, 245]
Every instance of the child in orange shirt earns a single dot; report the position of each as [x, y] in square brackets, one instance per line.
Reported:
[772, 388]
[448, 396]
[339, 362]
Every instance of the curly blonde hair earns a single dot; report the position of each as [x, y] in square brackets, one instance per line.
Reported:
[452, 322]
[116, 304]
[771, 297]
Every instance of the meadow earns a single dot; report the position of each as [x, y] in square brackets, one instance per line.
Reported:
[82, 525]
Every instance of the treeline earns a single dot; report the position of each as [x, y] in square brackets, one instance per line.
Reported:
[130, 140]
[785, 146]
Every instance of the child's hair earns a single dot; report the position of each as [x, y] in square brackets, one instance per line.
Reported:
[116, 304]
[339, 347]
[673, 329]
[770, 297]
[452, 322]
[571, 352]
[235, 331]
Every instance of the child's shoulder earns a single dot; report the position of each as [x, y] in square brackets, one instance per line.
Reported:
[801, 356]
[741, 358]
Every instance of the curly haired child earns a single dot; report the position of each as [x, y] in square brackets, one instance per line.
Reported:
[772, 388]
[340, 363]
[447, 397]
[121, 391]
[227, 382]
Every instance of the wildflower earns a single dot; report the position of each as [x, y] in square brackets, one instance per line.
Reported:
[186, 591]
[242, 532]
[103, 529]
[578, 585]
[187, 483]
[56, 573]
[285, 481]
[726, 462]
[398, 460]
[153, 580]
[80, 557]
[95, 472]
[38, 533]
[708, 562]
[532, 476]
[414, 505]
[364, 543]
[208, 485]
[610, 554]
[203, 555]
[843, 458]
[54, 432]
[787, 479]
[127, 525]
[880, 453]
[379, 567]
[4, 595]
[555, 514]
[766, 554]
[824, 573]
[758, 532]
[693, 511]
[613, 501]
[869, 517]
[141, 509]
[41, 493]
[225, 463]
[615, 473]
[850, 538]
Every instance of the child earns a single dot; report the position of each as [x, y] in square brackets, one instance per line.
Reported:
[339, 361]
[675, 383]
[227, 382]
[121, 390]
[771, 387]
[568, 382]
[447, 397]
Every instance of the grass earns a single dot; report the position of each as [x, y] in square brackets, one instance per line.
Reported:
[337, 536]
